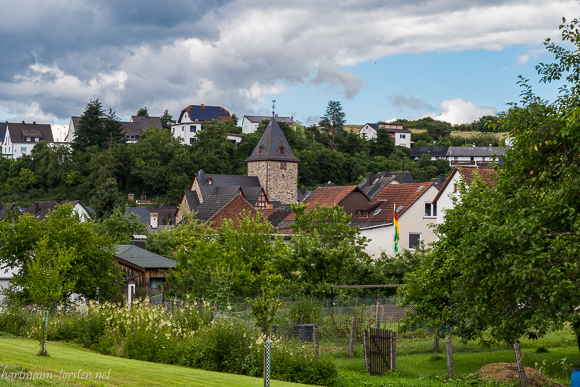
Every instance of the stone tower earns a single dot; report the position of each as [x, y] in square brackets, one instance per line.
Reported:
[275, 165]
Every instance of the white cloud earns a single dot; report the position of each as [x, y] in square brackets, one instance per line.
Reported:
[459, 111]
[524, 59]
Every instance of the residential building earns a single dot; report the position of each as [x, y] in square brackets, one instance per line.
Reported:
[275, 165]
[399, 134]
[374, 183]
[462, 155]
[450, 190]
[40, 209]
[194, 118]
[133, 130]
[20, 138]
[415, 212]
[250, 123]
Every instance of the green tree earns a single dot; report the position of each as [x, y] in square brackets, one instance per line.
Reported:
[93, 273]
[97, 128]
[334, 119]
[508, 253]
[324, 251]
[107, 199]
[167, 120]
[142, 112]
[120, 228]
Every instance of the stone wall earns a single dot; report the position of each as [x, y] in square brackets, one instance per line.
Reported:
[278, 178]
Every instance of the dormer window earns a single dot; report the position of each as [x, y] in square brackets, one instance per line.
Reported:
[260, 149]
[210, 181]
[281, 150]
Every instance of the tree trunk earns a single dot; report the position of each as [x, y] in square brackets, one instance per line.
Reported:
[45, 334]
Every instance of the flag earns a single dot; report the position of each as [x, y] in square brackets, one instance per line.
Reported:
[397, 231]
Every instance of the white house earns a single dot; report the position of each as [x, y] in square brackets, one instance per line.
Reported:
[195, 117]
[415, 212]
[399, 134]
[18, 139]
[250, 123]
[462, 155]
[444, 199]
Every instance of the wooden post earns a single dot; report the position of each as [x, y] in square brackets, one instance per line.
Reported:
[315, 337]
[352, 337]
[449, 351]
[378, 322]
[366, 347]
[520, 365]
[436, 339]
[393, 350]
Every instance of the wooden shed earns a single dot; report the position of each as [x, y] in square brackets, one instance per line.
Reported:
[142, 267]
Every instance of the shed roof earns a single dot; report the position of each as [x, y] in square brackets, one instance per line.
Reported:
[143, 258]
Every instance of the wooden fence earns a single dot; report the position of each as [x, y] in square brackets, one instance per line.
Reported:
[380, 350]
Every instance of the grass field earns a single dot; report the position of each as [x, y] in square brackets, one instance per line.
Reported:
[68, 362]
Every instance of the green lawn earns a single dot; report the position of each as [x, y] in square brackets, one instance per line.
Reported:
[18, 354]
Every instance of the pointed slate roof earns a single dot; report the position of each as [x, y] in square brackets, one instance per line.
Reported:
[273, 145]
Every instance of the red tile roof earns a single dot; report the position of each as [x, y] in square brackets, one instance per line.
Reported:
[393, 196]
[467, 173]
[326, 196]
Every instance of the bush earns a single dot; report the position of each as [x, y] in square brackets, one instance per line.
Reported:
[302, 366]
[18, 322]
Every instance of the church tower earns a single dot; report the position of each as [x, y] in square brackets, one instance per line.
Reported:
[275, 165]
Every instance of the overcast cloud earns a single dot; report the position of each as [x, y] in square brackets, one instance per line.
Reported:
[57, 55]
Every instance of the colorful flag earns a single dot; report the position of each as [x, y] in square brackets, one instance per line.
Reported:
[397, 231]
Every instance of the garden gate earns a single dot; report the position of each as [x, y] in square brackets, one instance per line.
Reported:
[380, 351]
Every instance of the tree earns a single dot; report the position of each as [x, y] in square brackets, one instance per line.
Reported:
[107, 199]
[324, 251]
[142, 112]
[167, 120]
[97, 128]
[334, 119]
[32, 245]
[507, 259]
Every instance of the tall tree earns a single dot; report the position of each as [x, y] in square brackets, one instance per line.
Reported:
[334, 119]
[167, 120]
[142, 112]
[97, 128]
[507, 258]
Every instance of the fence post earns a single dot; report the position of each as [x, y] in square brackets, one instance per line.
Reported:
[520, 365]
[449, 351]
[393, 350]
[366, 347]
[352, 337]
[378, 322]
[267, 364]
[436, 339]
[316, 344]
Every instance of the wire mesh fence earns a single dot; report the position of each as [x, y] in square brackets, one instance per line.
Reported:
[336, 328]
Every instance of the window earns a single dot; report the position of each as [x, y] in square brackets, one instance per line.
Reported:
[192, 128]
[260, 149]
[402, 135]
[183, 128]
[281, 150]
[23, 149]
[414, 240]
[430, 210]
[27, 138]
[210, 181]
[454, 187]
[191, 140]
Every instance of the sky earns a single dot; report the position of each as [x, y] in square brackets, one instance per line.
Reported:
[452, 60]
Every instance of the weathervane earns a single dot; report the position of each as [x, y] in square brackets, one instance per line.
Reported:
[273, 106]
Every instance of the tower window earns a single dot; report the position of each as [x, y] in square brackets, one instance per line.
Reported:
[281, 150]
[210, 181]
[260, 149]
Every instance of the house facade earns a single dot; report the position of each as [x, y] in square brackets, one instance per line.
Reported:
[450, 190]
[476, 156]
[18, 139]
[415, 212]
[400, 135]
[133, 130]
[250, 123]
[194, 118]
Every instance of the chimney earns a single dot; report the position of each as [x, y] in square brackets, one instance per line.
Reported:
[329, 184]
[370, 178]
[202, 106]
[490, 147]
[473, 145]
[22, 121]
[33, 122]
[154, 219]
[200, 179]
[141, 243]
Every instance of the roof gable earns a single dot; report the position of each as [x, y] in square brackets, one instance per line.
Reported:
[467, 174]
